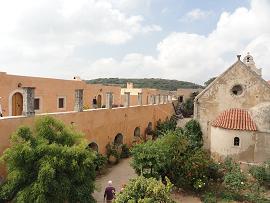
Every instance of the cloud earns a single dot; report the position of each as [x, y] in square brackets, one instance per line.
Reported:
[193, 57]
[195, 14]
[34, 31]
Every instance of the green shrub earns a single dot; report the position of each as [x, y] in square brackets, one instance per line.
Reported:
[209, 198]
[113, 150]
[100, 161]
[145, 190]
[163, 127]
[192, 131]
[261, 173]
[48, 164]
[125, 153]
[148, 159]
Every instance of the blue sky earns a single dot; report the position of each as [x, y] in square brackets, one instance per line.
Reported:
[177, 39]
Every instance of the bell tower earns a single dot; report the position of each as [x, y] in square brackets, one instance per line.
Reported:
[248, 60]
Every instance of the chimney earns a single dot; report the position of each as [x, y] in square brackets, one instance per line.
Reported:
[239, 57]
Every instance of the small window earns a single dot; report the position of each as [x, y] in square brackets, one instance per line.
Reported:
[237, 90]
[236, 141]
[61, 103]
[37, 104]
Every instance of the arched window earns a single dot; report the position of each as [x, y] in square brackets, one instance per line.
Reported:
[118, 140]
[137, 132]
[93, 146]
[236, 141]
[149, 129]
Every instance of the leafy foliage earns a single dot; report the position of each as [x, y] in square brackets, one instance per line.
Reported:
[162, 84]
[187, 107]
[261, 173]
[148, 159]
[172, 156]
[100, 161]
[192, 131]
[145, 190]
[125, 153]
[48, 164]
[163, 127]
[113, 150]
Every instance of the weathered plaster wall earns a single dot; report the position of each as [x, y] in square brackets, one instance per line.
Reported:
[219, 97]
[254, 146]
[98, 125]
[222, 143]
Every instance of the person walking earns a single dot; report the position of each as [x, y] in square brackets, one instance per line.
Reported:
[109, 193]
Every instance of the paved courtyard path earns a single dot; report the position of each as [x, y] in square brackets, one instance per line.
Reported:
[120, 174]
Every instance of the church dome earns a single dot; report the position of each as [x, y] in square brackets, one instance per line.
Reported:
[261, 115]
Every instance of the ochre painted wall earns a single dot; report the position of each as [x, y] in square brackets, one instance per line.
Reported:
[99, 125]
[48, 90]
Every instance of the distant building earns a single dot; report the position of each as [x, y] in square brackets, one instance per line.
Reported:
[234, 113]
[144, 95]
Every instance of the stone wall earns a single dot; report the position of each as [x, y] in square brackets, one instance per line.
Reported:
[218, 97]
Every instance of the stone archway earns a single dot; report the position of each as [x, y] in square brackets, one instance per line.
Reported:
[93, 146]
[99, 101]
[17, 104]
[118, 140]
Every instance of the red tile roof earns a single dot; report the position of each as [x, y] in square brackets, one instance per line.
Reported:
[235, 119]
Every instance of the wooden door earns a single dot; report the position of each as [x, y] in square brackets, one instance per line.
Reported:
[99, 101]
[17, 104]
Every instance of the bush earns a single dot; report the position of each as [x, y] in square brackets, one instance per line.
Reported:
[125, 153]
[148, 159]
[170, 156]
[145, 190]
[100, 162]
[192, 131]
[163, 127]
[48, 164]
[209, 198]
[261, 173]
[234, 178]
[113, 150]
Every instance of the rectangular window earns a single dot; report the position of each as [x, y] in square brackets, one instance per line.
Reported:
[61, 103]
[37, 104]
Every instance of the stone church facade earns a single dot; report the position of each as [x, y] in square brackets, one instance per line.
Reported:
[234, 113]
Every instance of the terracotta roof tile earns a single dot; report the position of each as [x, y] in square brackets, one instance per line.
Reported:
[235, 119]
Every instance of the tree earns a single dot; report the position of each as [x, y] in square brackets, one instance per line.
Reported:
[145, 190]
[192, 131]
[188, 105]
[48, 164]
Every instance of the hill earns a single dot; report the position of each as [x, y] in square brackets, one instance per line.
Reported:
[155, 83]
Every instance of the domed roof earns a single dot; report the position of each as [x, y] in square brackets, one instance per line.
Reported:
[235, 119]
[261, 115]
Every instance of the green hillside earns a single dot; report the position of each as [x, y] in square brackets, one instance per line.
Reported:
[155, 83]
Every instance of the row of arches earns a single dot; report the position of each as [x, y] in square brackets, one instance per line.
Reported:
[119, 138]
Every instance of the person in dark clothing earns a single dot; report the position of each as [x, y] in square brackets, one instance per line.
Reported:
[109, 193]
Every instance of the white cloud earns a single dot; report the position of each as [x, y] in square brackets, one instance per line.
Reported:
[194, 57]
[41, 30]
[39, 38]
[195, 14]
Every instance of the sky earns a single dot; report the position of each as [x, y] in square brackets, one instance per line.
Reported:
[191, 40]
